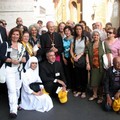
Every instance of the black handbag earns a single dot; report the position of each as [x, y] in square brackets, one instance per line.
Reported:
[81, 63]
[35, 86]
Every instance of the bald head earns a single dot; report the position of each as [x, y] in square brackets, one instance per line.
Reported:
[69, 23]
[50, 26]
[98, 25]
[19, 21]
[116, 63]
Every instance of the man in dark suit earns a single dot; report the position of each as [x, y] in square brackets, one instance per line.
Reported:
[112, 83]
[51, 73]
[3, 37]
[51, 41]
[3, 34]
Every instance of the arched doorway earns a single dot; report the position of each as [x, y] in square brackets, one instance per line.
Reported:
[74, 12]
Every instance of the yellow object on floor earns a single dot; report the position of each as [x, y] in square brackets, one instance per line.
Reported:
[116, 105]
[62, 95]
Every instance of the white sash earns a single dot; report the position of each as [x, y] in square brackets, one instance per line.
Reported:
[1, 40]
[21, 50]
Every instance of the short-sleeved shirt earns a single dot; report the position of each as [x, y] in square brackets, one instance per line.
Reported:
[115, 47]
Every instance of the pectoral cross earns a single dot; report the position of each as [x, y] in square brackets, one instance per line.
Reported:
[53, 45]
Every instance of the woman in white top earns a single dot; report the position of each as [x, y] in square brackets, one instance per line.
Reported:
[13, 61]
[77, 50]
[31, 100]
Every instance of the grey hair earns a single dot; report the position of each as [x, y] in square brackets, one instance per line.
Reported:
[34, 26]
[96, 31]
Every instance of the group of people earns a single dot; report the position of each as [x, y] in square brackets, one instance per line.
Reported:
[51, 57]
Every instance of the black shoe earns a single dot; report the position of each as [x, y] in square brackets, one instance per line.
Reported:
[19, 108]
[12, 115]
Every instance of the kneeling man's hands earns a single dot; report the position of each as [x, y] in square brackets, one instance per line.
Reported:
[117, 95]
[61, 82]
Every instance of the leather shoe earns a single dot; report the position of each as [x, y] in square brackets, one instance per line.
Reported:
[12, 115]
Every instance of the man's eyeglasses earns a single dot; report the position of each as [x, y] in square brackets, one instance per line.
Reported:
[109, 32]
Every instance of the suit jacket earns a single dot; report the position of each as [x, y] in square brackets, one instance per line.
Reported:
[109, 82]
[3, 33]
[46, 42]
[49, 72]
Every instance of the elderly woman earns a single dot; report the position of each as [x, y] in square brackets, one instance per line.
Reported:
[30, 99]
[77, 50]
[94, 61]
[13, 61]
[28, 47]
[113, 43]
[35, 40]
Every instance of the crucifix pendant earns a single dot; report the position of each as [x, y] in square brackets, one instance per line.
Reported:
[53, 45]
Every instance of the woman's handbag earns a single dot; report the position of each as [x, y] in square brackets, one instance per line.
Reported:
[81, 63]
[35, 86]
[105, 58]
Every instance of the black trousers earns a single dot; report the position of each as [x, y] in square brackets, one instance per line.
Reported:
[51, 88]
[80, 79]
[68, 71]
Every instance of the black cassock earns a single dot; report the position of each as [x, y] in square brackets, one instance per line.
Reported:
[48, 40]
[48, 73]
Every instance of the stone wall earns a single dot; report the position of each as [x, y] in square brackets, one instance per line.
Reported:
[11, 9]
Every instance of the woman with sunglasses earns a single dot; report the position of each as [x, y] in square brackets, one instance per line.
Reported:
[113, 43]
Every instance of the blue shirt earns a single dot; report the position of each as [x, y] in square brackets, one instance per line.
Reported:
[66, 45]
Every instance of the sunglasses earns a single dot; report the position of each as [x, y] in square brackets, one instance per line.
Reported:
[110, 32]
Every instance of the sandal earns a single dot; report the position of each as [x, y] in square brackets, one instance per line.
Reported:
[74, 92]
[83, 95]
[92, 98]
[77, 94]
[100, 100]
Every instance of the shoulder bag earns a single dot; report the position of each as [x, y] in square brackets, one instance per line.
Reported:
[105, 57]
[81, 63]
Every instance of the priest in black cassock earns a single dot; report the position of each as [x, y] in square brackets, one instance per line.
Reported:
[51, 74]
[51, 40]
